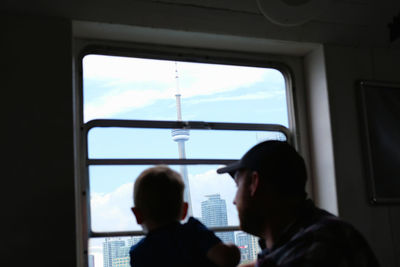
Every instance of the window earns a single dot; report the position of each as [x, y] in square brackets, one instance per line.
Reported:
[192, 115]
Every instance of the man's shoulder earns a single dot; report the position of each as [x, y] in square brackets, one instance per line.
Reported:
[325, 238]
[335, 242]
[325, 225]
[318, 238]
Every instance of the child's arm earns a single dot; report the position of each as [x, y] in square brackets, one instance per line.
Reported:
[224, 255]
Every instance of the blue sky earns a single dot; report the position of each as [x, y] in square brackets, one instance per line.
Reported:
[130, 88]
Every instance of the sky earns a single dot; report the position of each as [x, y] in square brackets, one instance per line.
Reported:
[144, 89]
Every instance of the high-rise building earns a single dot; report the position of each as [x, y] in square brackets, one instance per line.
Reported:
[213, 213]
[121, 262]
[255, 247]
[111, 250]
[116, 252]
[248, 246]
[243, 243]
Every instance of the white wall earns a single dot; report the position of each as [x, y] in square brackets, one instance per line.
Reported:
[322, 169]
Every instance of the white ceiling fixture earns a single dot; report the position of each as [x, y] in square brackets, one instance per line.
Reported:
[292, 12]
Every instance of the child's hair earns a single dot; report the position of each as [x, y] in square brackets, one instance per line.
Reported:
[158, 193]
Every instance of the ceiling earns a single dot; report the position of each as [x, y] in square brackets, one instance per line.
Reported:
[352, 22]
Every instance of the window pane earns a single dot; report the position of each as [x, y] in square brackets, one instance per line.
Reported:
[145, 89]
[149, 89]
[163, 143]
[210, 196]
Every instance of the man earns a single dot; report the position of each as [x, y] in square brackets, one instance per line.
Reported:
[272, 204]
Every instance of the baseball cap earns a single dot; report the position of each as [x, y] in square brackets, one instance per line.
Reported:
[277, 161]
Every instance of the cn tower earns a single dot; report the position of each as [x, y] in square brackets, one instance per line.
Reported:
[181, 136]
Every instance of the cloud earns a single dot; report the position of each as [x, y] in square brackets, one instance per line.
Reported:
[254, 96]
[111, 211]
[119, 101]
[121, 70]
[202, 79]
[136, 83]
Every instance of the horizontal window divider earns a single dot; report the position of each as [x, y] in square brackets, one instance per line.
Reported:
[119, 233]
[159, 161]
[196, 125]
[138, 233]
[224, 228]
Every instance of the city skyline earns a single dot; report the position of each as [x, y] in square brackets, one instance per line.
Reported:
[116, 250]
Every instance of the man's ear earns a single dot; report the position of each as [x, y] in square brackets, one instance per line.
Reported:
[254, 183]
[138, 215]
[185, 207]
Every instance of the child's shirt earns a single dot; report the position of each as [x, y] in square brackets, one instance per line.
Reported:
[176, 244]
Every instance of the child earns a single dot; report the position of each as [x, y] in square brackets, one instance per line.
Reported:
[158, 207]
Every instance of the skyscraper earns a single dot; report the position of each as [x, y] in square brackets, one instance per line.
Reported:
[243, 243]
[111, 250]
[213, 213]
[255, 247]
[248, 245]
[116, 252]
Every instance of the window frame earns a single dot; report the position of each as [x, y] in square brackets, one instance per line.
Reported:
[151, 51]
